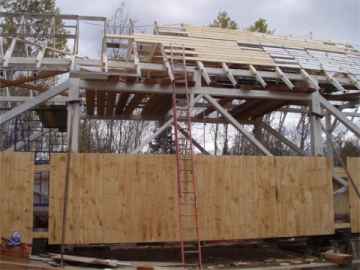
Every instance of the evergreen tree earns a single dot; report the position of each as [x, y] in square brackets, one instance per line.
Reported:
[39, 26]
[224, 21]
[260, 26]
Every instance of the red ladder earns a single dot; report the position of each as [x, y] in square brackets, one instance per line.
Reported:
[188, 219]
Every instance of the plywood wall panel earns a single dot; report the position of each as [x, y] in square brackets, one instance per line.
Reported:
[354, 170]
[16, 196]
[132, 198]
[114, 198]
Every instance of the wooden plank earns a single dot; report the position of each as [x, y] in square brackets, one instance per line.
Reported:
[259, 38]
[16, 196]
[132, 198]
[41, 235]
[354, 170]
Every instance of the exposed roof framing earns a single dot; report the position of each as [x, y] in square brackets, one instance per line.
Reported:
[284, 78]
[243, 75]
[229, 74]
[334, 82]
[204, 73]
[258, 76]
[355, 81]
[313, 83]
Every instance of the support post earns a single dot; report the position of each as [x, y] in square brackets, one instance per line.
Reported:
[315, 125]
[328, 131]
[73, 114]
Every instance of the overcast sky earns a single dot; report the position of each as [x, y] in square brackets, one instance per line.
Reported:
[337, 20]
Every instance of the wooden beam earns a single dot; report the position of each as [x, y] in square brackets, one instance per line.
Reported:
[282, 138]
[167, 63]
[40, 88]
[223, 102]
[136, 59]
[354, 81]
[32, 103]
[313, 83]
[284, 78]
[237, 125]
[334, 82]
[228, 74]
[203, 71]
[24, 79]
[257, 76]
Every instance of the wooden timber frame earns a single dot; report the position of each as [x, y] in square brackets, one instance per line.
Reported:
[240, 76]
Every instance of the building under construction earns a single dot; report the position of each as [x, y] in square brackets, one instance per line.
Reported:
[176, 77]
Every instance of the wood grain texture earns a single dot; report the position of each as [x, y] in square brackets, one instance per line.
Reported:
[114, 198]
[200, 49]
[260, 38]
[354, 170]
[132, 198]
[16, 196]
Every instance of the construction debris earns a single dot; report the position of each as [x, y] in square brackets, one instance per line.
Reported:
[340, 259]
[89, 261]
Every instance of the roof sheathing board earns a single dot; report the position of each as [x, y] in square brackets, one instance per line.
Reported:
[262, 39]
[200, 49]
[215, 45]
